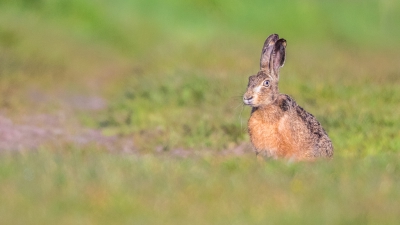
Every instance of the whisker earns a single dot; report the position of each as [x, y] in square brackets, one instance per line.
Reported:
[238, 105]
[240, 118]
[237, 97]
[241, 111]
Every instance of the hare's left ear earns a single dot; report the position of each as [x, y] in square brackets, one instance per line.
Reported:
[265, 60]
[279, 55]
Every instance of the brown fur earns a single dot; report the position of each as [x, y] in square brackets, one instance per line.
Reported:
[278, 127]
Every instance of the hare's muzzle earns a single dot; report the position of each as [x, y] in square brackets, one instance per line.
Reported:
[248, 100]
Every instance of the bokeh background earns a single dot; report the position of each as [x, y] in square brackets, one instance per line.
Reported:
[130, 111]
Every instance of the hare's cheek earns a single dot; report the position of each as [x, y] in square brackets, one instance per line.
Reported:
[257, 90]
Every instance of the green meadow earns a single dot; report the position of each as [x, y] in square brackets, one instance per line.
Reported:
[130, 112]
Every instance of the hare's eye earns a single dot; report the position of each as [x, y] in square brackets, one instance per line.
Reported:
[266, 83]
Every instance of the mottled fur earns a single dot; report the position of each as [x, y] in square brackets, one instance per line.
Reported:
[278, 127]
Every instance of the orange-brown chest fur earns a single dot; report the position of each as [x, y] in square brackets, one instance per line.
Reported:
[276, 133]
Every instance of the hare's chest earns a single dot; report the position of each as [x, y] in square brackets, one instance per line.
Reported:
[271, 136]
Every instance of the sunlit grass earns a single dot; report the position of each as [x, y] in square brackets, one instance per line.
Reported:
[172, 74]
[95, 187]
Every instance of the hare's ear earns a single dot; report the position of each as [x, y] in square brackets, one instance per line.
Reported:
[265, 61]
[279, 54]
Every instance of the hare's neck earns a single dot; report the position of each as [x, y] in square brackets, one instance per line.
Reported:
[268, 112]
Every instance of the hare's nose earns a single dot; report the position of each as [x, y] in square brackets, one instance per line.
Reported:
[248, 100]
[245, 98]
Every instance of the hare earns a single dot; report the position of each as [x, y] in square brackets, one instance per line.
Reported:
[278, 127]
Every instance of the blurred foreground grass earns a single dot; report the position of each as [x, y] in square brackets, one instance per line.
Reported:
[92, 187]
[172, 74]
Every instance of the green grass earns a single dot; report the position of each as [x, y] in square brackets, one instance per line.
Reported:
[92, 187]
[173, 73]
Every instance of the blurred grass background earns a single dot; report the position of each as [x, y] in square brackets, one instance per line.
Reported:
[172, 74]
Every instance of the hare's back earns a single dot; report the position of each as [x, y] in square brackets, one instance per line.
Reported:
[322, 145]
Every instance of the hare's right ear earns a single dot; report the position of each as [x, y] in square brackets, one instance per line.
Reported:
[269, 44]
[278, 55]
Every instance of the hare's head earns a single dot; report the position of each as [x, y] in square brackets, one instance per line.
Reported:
[263, 87]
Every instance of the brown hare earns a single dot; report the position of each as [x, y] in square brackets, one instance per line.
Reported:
[278, 127]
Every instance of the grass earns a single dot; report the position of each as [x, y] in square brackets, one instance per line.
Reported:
[92, 187]
[172, 74]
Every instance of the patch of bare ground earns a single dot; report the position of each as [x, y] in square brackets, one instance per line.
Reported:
[45, 130]
[32, 131]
